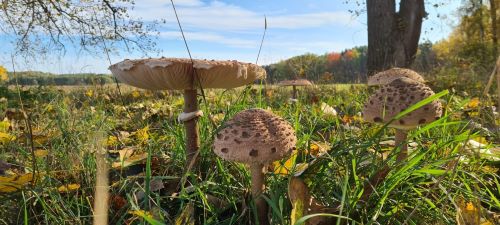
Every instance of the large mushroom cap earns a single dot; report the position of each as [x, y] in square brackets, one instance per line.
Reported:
[387, 76]
[177, 74]
[298, 82]
[255, 136]
[396, 97]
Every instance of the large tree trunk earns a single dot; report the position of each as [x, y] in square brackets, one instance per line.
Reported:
[393, 36]
[494, 35]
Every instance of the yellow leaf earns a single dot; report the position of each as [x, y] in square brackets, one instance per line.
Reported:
[468, 212]
[68, 188]
[89, 93]
[481, 140]
[14, 182]
[470, 206]
[187, 216]
[314, 149]
[24, 179]
[317, 149]
[473, 103]
[140, 213]
[4, 179]
[4, 125]
[3, 74]
[297, 211]
[41, 153]
[286, 167]
[298, 195]
[40, 140]
[127, 161]
[112, 141]
[5, 138]
[142, 135]
[135, 94]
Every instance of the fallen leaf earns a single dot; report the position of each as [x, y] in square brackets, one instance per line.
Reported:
[135, 94]
[473, 103]
[6, 138]
[4, 125]
[68, 188]
[327, 110]
[14, 182]
[89, 93]
[284, 168]
[467, 213]
[128, 161]
[40, 153]
[142, 135]
[318, 149]
[112, 141]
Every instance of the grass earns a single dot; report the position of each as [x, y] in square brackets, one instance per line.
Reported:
[430, 187]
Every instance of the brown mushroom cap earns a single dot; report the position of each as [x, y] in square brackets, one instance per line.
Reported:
[298, 82]
[396, 97]
[176, 74]
[387, 76]
[255, 136]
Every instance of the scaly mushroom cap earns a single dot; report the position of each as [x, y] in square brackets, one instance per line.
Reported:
[396, 97]
[177, 74]
[255, 136]
[387, 76]
[298, 82]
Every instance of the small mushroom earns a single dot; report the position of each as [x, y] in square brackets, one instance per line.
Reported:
[395, 97]
[387, 76]
[294, 84]
[255, 137]
[188, 75]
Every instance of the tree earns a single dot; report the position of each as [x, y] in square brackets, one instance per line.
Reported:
[393, 36]
[42, 25]
[493, 16]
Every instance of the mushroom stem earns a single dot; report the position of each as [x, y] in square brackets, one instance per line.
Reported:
[400, 139]
[258, 186]
[294, 93]
[191, 126]
[401, 136]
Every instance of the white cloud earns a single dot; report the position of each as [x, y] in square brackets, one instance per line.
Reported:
[210, 37]
[220, 16]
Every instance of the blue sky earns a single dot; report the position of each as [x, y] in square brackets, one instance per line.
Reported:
[230, 29]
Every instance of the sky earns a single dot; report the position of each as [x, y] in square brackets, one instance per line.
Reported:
[232, 29]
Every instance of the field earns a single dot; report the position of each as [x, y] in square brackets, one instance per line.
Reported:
[51, 139]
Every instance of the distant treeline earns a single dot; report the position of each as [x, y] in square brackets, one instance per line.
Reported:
[348, 66]
[41, 78]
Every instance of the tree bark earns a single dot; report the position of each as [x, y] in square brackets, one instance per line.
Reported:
[494, 35]
[393, 36]
[498, 84]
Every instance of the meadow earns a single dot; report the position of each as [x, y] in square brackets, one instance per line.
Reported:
[50, 136]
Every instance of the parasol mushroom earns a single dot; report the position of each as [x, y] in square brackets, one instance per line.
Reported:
[387, 76]
[390, 100]
[256, 137]
[188, 75]
[395, 97]
[294, 84]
